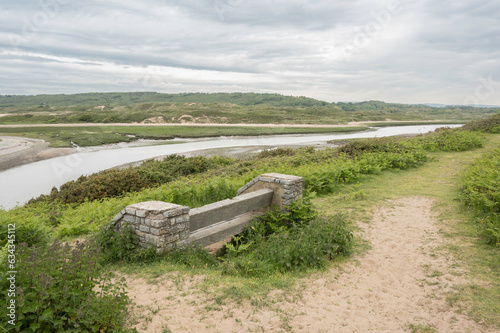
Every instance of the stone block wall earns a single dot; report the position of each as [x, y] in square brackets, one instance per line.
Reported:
[157, 224]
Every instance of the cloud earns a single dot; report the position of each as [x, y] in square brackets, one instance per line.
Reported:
[398, 51]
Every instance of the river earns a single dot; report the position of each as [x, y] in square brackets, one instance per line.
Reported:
[18, 185]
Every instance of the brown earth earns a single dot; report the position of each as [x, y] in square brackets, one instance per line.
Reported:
[400, 284]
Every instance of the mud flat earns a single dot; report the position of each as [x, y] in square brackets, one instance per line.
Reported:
[16, 151]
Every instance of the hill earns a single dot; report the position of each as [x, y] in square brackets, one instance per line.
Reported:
[130, 98]
[127, 107]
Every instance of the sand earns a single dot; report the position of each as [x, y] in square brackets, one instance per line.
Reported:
[400, 283]
[15, 151]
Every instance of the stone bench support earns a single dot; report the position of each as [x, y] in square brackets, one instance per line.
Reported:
[286, 188]
[157, 224]
[167, 226]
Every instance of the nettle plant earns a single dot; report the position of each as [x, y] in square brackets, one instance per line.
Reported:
[285, 241]
[62, 288]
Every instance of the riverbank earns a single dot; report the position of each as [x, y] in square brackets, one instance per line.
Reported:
[16, 151]
[388, 122]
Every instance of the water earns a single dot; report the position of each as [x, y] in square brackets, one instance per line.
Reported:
[18, 185]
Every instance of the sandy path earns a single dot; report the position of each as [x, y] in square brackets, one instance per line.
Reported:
[402, 280]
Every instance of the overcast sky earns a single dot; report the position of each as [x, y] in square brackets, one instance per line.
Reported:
[418, 51]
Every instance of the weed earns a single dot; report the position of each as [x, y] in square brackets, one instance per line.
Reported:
[481, 192]
[60, 288]
[122, 245]
[421, 328]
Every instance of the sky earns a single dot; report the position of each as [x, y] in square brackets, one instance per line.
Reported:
[401, 51]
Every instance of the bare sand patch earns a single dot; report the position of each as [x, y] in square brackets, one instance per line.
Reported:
[15, 151]
[153, 120]
[402, 280]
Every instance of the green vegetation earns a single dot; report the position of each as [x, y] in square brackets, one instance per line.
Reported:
[99, 135]
[481, 192]
[414, 123]
[131, 98]
[83, 206]
[347, 181]
[275, 243]
[115, 182]
[445, 139]
[215, 108]
[285, 242]
[62, 289]
[490, 124]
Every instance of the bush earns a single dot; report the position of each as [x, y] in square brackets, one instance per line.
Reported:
[115, 182]
[300, 212]
[296, 248]
[442, 139]
[32, 224]
[61, 289]
[481, 192]
[175, 166]
[278, 152]
[446, 139]
[30, 233]
[375, 145]
[122, 245]
[490, 124]
[286, 241]
[104, 184]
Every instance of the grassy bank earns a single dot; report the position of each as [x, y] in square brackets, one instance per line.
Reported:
[413, 123]
[99, 135]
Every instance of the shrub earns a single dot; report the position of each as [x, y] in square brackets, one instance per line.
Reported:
[278, 152]
[61, 289]
[122, 245]
[104, 184]
[480, 190]
[32, 224]
[286, 241]
[30, 233]
[374, 145]
[115, 182]
[297, 248]
[490, 124]
[175, 166]
[446, 139]
[299, 212]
